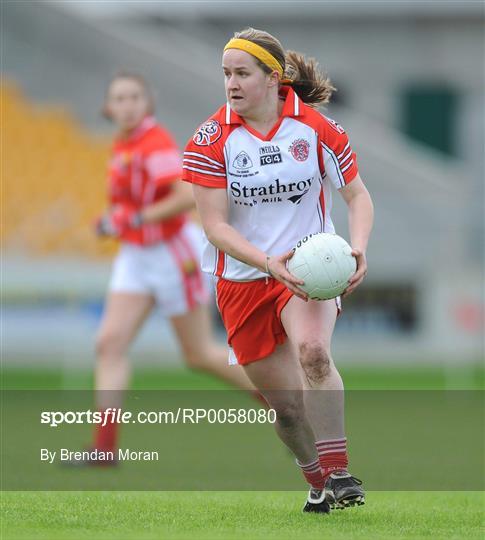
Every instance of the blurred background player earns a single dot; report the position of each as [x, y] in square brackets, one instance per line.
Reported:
[158, 261]
[254, 211]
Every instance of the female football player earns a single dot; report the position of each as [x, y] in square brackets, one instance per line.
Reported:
[158, 261]
[262, 168]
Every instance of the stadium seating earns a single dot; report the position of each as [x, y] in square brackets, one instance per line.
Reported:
[54, 181]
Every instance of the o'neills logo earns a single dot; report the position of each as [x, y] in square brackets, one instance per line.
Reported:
[275, 192]
[269, 154]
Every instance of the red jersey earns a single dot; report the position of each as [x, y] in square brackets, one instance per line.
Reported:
[141, 171]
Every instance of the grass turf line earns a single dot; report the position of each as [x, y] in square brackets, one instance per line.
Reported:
[400, 377]
[231, 515]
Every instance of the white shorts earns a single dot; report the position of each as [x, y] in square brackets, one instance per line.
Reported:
[168, 271]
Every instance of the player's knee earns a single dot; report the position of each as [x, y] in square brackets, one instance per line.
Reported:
[201, 359]
[194, 359]
[109, 345]
[316, 361]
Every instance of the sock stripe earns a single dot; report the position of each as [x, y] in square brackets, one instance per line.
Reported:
[328, 446]
[312, 473]
[313, 469]
[332, 454]
[314, 465]
[331, 441]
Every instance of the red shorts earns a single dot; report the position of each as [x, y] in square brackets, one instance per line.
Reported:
[251, 313]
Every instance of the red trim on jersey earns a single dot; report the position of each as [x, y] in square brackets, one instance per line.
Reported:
[292, 107]
[221, 262]
[206, 182]
[198, 163]
[343, 161]
[321, 200]
[270, 133]
[321, 163]
[228, 117]
[205, 165]
[352, 178]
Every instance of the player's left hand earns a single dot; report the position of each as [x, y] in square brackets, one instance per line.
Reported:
[360, 273]
[117, 222]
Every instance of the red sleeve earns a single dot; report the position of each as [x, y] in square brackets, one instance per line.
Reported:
[338, 160]
[203, 162]
[162, 161]
[118, 177]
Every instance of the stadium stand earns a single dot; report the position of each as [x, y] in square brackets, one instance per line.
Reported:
[54, 180]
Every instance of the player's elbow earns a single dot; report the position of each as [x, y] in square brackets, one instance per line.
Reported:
[212, 238]
[361, 201]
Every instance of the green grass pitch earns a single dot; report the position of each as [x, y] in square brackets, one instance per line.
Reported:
[249, 515]
[229, 515]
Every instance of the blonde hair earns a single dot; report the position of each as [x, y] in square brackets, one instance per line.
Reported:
[312, 86]
[132, 76]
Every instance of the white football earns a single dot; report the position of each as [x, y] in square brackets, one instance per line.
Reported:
[324, 262]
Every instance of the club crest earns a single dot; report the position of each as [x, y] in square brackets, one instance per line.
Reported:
[300, 149]
[208, 133]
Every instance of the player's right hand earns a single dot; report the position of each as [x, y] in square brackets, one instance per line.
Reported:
[277, 269]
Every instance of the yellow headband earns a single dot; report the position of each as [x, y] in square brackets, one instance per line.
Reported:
[256, 50]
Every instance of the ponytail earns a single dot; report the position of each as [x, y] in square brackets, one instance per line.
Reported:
[311, 85]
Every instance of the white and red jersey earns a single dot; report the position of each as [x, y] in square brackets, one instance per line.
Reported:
[141, 171]
[278, 186]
